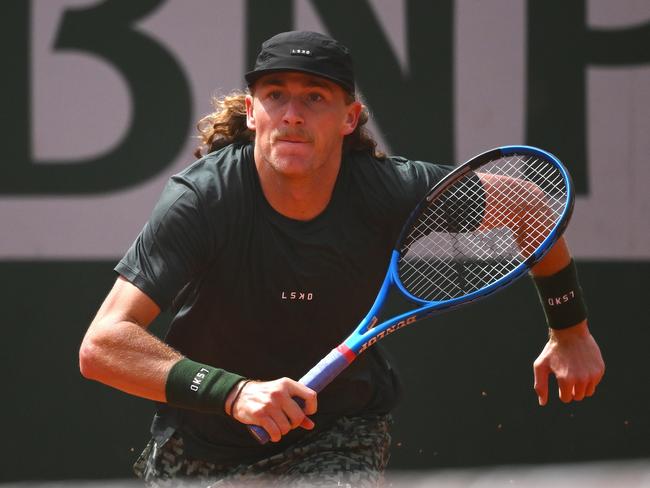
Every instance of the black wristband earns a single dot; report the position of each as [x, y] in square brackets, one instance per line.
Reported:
[234, 400]
[199, 387]
[562, 298]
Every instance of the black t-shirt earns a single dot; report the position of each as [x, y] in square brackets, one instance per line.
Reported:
[266, 296]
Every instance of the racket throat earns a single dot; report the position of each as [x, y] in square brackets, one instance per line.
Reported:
[387, 330]
[346, 352]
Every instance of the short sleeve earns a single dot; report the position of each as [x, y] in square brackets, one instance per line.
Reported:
[419, 176]
[429, 174]
[172, 247]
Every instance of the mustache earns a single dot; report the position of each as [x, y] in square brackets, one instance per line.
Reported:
[291, 133]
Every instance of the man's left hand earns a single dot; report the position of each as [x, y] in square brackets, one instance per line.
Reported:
[573, 356]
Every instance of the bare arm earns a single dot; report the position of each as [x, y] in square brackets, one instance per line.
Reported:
[118, 350]
[571, 354]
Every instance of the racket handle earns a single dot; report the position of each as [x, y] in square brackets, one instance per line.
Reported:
[317, 378]
[259, 433]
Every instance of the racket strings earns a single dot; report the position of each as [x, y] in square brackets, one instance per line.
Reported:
[482, 227]
[546, 212]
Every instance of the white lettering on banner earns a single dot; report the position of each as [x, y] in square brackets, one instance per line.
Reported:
[490, 67]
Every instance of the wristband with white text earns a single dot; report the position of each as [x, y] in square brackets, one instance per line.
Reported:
[561, 296]
[199, 387]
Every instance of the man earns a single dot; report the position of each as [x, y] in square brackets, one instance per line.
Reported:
[270, 249]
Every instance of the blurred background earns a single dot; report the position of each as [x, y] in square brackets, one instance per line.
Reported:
[100, 101]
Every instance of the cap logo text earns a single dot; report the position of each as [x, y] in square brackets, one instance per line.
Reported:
[300, 52]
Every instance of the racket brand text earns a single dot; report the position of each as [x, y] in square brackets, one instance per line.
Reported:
[389, 330]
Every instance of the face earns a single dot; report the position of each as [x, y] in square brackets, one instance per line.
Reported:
[299, 122]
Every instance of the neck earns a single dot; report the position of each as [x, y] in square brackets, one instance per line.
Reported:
[301, 197]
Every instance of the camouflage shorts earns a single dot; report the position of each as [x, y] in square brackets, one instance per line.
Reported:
[354, 452]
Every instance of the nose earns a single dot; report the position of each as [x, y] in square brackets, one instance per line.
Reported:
[293, 112]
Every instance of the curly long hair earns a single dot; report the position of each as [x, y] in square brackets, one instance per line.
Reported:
[227, 125]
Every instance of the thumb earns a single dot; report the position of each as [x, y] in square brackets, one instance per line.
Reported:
[541, 371]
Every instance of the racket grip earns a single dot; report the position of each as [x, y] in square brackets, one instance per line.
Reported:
[317, 378]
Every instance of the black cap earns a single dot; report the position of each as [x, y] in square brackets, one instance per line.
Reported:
[307, 52]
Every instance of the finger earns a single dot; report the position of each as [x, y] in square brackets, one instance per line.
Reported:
[595, 381]
[311, 402]
[307, 423]
[579, 391]
[308, 396]
[591, 388]
[599, 377]
[294, 412]
[271, 428]
[541, 373]
[281, 421]
[565, 389]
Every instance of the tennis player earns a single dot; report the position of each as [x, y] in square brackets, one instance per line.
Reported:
[268, 250]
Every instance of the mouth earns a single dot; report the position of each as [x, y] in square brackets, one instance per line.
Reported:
[292, 140]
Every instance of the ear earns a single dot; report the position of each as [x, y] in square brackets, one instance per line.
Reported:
[250, 113]
[351, 118]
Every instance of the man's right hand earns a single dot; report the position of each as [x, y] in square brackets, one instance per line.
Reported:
[270, 405]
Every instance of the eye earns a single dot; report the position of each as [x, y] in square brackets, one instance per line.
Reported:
[274, 95]
[315, 97]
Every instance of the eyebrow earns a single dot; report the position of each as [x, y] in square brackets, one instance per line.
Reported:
[310, 82]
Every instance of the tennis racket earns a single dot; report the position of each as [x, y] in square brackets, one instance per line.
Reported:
[477, 230]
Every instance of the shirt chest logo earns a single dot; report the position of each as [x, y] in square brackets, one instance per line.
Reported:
[296, 295]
